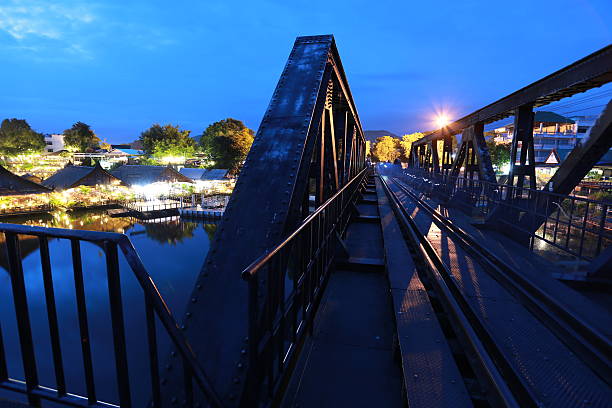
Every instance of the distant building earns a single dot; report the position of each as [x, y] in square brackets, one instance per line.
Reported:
[12, 184]
[54, 143]
[551, 131]
[108, 158]
[205, 174]
[144, 174]
[74, 176]
[556, 157]
[124, 153]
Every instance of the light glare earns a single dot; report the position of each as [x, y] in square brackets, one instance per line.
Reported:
[442, 120]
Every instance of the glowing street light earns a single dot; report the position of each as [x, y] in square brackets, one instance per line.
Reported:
[442, 120]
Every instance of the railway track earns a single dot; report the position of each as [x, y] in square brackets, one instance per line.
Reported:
[506, 384]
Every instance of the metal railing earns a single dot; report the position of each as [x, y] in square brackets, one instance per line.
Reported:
[205, 201]
[285, 288]
[157, 204]
[154, 305]
[168, 202]
[576, 226]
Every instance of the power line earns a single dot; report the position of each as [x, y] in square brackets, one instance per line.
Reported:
[583, 109]
[581, 101]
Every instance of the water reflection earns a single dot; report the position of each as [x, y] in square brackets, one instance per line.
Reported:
[171, 249]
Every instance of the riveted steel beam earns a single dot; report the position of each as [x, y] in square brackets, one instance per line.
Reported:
[296, 147]
[589, 72]
[522, 141]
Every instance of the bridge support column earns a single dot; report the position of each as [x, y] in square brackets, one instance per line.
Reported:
[473, 155]
[434, 165]
[293, 157]
[523, 134]
[447, 154]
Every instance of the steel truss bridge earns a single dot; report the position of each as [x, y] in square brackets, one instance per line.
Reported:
[334, 283]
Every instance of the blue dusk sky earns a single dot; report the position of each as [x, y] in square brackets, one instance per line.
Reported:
[121, 66]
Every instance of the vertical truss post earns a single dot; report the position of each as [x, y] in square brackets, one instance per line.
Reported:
[462, 151]
[473, 155]
[412, 156]
[523, 134]
[427, 158]
[341, 130]
[447, 154]
[435, 160]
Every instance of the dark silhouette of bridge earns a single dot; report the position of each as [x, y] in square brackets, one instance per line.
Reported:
[331, 282]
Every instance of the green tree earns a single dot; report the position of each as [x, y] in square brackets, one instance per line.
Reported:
[105, 145]
[406, 144]
[499, 152]
[16, 136]
[167, 141]
[227, 142]
[81, 137]
[385, 149]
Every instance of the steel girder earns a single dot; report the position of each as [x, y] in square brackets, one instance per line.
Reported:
[309, 144]
[473, 155]
[447, 155]
[522, 145]
[582, 158]
[589, 72]
[575, 166]
[592, 71]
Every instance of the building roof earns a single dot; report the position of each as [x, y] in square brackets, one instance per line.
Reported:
[556, 157]
[551, 117]
[204, 174]
[215, 174]
[145, 174]
[193, 173]
[11, 184]
[542, 116]
[126, 152]
[70, 176]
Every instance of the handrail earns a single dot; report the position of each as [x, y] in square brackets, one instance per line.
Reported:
[534, 219]
[252, 269]
[152, 295]
[280, 318]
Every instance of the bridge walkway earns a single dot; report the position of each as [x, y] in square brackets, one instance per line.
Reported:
[534, 267]
[540, 358]
[349, 359]
[11, 404]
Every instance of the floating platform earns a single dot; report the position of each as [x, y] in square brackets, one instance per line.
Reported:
[204, 213]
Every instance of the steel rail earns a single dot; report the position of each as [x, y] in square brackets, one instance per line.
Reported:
[588, 342]
[491, 365]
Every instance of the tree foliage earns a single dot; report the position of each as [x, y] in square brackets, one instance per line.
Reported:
[227, 142]
[406, 144]
[386, 148]
[499, 152]
[16, 136]
[81, 137]
[167, 141]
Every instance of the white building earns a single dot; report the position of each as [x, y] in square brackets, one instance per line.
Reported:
[54, 143]
[551, 131]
